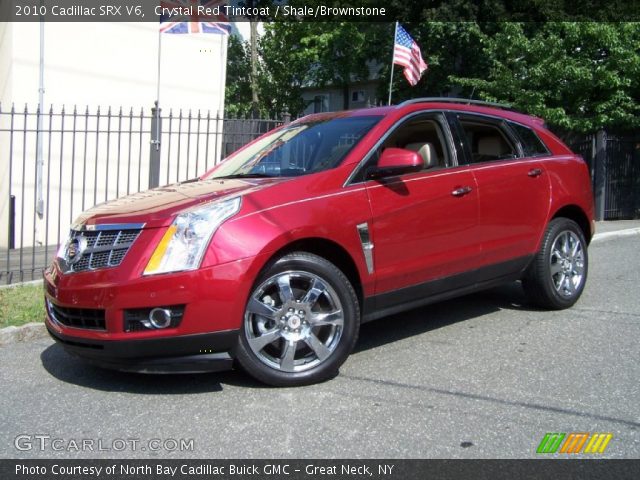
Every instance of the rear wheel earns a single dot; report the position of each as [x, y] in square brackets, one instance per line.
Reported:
[557, 275]
[300, 323]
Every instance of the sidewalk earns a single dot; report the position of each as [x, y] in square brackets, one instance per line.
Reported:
[616, 229]
[615, 225]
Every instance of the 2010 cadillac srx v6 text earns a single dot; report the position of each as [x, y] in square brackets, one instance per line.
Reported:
[275, 257]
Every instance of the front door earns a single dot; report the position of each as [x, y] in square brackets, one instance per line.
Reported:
[424, 224]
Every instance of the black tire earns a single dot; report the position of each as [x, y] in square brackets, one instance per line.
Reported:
[555, 279]
[304, 319]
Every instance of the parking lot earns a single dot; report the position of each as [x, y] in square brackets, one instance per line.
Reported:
[483, 376]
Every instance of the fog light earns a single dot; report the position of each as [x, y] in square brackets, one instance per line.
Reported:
[139, 319]
[159, 318]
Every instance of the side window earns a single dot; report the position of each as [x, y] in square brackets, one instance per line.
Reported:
[487, 140]
[422, 134]
[531, 143]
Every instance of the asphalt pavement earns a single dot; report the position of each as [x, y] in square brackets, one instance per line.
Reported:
[483, 376]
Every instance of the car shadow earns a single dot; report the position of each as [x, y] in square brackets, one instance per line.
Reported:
[441, 314]
[69, 369]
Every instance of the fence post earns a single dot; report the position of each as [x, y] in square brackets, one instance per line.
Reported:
[154, 151]
[286, 117]
[12, 224]
[600, 174]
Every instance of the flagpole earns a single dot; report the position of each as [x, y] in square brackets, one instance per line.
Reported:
[39, 155]
[223, 71]
[158, 89]
[223, 82]
[395, 33]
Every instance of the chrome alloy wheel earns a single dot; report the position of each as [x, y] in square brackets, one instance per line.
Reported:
[293, 321]
[567, 263]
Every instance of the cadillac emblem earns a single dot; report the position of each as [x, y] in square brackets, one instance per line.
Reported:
[75, 249]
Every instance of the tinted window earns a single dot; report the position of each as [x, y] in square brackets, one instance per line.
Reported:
[487, 140]
[298, 149]
[422, 134]
[531, 144]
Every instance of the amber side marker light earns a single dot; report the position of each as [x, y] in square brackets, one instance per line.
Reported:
[158, 253]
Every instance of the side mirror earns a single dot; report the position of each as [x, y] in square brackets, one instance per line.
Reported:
[396, 161]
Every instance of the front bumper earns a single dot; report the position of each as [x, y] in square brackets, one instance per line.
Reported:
[207, 352]
[204, 340]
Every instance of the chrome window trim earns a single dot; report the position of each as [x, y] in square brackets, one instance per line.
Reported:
[79, 227]
[455, 159]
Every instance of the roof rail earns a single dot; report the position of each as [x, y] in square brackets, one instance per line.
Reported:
[466, 101]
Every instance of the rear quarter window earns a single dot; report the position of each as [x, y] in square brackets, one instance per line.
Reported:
[531, 143]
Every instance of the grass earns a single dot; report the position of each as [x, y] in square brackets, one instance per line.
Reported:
[20, 305]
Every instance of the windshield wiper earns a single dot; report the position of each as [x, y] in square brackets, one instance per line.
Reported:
[244, 175]
[191, 180]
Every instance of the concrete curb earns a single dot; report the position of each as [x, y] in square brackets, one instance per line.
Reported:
[628, 232]
[23, 333]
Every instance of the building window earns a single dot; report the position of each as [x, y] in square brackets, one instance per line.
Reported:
[357, 96]
[320, 103]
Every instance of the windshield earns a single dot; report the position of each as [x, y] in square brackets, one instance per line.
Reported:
[298, 149]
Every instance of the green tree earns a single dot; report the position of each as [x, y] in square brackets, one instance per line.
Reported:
[299, 54]
[238, 83]
[449, 48]
[285, 69]
[579, 76]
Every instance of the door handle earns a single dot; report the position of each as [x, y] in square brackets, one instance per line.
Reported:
[461, 192]
[535, 172]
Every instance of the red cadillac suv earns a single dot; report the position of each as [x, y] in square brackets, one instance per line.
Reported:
[275, 257]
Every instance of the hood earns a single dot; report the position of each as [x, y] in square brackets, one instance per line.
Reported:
[158, 207]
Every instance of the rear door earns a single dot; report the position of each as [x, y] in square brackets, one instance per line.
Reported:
[424, 224]
[513, 190]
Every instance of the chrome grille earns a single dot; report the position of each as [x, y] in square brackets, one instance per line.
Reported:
[104, 249]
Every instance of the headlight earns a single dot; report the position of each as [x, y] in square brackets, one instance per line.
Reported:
[186, 240]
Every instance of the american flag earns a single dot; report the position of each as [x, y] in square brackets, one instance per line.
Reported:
[194, 23]
[406, 53]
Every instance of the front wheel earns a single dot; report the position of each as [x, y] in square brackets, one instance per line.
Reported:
[558, 273]
[301, 322]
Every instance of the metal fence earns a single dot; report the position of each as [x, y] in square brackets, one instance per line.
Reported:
[614, 163]
[54, 164]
